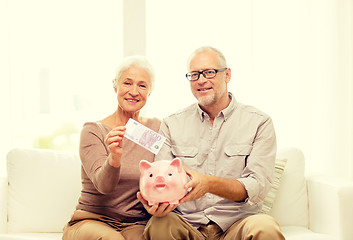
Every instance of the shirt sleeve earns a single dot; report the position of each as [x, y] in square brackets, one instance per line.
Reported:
[94, 158]
[257, 176]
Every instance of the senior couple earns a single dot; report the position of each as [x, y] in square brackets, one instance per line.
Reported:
[228, 150]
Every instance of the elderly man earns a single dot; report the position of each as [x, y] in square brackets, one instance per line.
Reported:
[228, 149]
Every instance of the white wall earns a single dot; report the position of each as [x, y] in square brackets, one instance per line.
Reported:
[292, 59]
[5, 123]
[58, 59]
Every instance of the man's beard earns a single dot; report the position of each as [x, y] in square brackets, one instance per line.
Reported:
[207, 100]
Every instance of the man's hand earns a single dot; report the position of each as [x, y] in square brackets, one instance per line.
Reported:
[199, 184]
[157, 210]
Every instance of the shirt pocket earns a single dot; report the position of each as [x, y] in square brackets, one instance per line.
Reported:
[187, 154]
[235, 162]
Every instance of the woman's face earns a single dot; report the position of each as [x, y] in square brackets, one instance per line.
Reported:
[133, 89]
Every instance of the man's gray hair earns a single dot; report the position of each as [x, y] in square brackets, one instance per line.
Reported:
[221, 59]
[136, 61]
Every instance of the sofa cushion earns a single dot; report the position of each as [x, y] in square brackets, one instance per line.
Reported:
[31, 236]
[302, 233]
[271, 195]
[3, 204]
[44, 186]
[290, 207]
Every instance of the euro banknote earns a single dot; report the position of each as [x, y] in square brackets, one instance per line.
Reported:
[144, 136]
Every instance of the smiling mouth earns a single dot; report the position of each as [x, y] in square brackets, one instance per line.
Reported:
[203, 89]
[132, 100]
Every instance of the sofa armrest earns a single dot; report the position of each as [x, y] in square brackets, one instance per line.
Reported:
[330, 206]
[3, 205]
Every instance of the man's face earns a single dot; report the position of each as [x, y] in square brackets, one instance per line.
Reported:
[208, 91]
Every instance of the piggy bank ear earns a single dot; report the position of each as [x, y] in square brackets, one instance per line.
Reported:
[176, 162]
[144, 165]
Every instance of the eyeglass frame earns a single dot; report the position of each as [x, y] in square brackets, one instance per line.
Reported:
[203, 74]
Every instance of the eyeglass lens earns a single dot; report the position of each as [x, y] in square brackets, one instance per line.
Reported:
[206, 73]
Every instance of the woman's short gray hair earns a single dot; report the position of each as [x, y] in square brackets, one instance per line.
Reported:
[136, 61]
[221, 59]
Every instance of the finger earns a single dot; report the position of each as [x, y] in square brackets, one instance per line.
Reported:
[171, 207]
[114, 146]
[143, 201]
[189, 172]
[193, 194]
[162, 207]
[153, 210]
[190, 184]
[110, 140]
[115, 134]
[123, 128]
[168, 209]
[185, 198]
[188, 198]
[141, 198]
[112, 134]
[119, 129]
[162, 210]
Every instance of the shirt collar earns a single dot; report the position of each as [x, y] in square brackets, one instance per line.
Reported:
[232, 105]
[225, 112]
[201, 113]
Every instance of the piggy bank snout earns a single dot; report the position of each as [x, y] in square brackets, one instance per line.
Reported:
[160, 179]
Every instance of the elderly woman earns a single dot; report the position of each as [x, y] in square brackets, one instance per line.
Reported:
[108, 207]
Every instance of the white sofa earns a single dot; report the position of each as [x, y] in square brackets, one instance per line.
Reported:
[43, 186]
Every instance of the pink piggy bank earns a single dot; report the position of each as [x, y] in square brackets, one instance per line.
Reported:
[162, 181]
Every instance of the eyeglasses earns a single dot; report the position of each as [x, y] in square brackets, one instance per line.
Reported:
[208, 73]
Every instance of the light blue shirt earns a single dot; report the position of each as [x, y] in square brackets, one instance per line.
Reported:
[240, 144]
